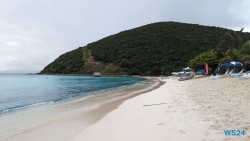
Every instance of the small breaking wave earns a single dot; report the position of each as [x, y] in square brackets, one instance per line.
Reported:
[23, 107]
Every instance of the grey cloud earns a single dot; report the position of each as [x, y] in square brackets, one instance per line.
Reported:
[34, 33]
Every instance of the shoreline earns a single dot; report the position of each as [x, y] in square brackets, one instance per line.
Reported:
[106, 106]
[83, 117]
[196, 109]
[199, 109]
[104, 75]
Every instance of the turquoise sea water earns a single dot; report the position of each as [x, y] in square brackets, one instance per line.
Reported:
[27, 101]
[20, 91]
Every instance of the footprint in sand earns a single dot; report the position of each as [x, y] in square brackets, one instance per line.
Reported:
[207, 134]
[160, 123]
[181, 105]
[182, 131]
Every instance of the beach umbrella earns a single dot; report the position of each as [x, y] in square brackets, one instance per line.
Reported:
[201, 71]
[236, 64]
[187, 68]
[227, 64]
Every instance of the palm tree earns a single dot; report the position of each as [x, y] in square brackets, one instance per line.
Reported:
[245, 52]
[233, 42]
[232, 54]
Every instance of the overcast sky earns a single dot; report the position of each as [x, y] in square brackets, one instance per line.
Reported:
[35, 32]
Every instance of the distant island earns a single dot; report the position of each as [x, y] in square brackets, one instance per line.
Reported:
[153, 49]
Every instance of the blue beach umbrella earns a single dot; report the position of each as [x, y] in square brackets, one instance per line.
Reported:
[201, 71]
[227, 64]
[236, 64]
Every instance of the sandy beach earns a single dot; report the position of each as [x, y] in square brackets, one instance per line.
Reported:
[65, 126]
[198, 110]
[194, 110]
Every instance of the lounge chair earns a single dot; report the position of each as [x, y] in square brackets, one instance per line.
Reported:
[245, 76]
[214, 76]
[231, 72]
[237, 74]
[227, 73]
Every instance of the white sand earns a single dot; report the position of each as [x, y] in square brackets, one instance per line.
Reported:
[194, 110]
[225, 102]
[65, 126]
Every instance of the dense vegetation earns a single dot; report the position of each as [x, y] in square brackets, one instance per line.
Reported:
[153, 49]
[231, 48]
[70, 62]
[212, 57]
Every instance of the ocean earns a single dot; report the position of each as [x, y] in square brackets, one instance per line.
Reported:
[29, 99]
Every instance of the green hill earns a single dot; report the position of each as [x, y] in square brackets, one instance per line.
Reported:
[148, 50]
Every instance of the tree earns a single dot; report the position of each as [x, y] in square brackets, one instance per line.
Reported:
[232, 54]
[211, 57]
[233, 42]
[245, 52]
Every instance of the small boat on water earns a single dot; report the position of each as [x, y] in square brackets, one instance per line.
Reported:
[97, 74]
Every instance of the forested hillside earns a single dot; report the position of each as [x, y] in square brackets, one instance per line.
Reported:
[70, 62]
[153, 49]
